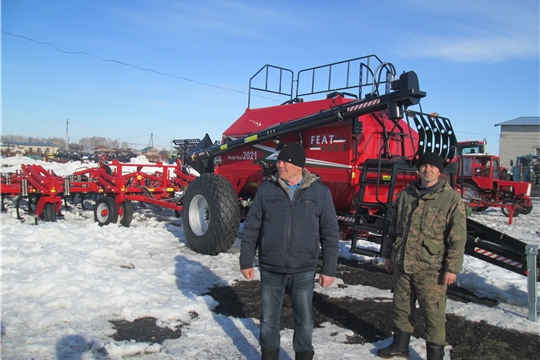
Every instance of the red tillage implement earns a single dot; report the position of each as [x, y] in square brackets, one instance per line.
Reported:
[122, 183]
[43, 189]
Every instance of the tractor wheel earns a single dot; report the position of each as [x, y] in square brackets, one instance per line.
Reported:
[125, 213]
[505, 211]
[106, 211]
[526, 210]
[49, 212]
[210, 214]
[470, 192]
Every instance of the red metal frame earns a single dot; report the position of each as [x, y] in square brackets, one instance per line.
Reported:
[158, 187]
[34, 179]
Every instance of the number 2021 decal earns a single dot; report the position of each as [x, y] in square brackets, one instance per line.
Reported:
[249, 155]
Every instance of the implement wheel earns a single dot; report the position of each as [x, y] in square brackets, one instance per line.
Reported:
[526, 210]
[49, 212]
[505, 210]
[106, 211]
[210, 215]
[125, 213]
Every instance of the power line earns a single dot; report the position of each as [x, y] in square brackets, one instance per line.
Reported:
[74, 52]
[469, 133]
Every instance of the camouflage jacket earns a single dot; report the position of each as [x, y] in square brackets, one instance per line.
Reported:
[427, 232]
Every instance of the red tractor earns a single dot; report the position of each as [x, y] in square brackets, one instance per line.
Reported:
[484, 183]
[362, 145]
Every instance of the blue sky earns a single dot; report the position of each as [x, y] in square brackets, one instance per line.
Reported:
[477, 60]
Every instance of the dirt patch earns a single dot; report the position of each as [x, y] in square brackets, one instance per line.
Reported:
[143, 330]
[370, 321]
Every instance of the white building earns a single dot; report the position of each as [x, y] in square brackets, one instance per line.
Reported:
[519, 137]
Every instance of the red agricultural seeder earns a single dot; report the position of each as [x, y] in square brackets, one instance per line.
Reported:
[361, 138]
[363, 145]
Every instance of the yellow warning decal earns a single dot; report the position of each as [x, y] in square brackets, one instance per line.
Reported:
[251, 138]
[223, 147]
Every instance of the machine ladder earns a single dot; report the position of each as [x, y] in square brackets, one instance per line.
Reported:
[377, 186]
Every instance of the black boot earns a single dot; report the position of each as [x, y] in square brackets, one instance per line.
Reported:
[434, 351]
[399, 346]
[304, 355]
[269, 354]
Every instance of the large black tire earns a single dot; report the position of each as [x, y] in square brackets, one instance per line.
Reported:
[125, 213]
[49, 212]
[210, 214]
[106, 211]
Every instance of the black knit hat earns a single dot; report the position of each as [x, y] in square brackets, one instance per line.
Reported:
[431, 159]
[293, 153]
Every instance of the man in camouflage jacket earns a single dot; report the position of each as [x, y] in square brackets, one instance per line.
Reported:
[424, 249]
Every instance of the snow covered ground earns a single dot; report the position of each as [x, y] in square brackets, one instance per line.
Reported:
[63, 282]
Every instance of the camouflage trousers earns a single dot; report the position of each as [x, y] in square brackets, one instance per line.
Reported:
[430, 291]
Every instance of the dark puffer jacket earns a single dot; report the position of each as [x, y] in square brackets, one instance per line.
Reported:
[288, 233]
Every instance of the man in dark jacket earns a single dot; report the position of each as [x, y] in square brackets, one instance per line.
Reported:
[291, 217]
[424, 249]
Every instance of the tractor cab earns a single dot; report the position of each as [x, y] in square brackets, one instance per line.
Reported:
[473, 147]
[477, 164]
[480, 166]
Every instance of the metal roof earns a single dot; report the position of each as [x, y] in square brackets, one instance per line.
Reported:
[524, 120]
[26, 143]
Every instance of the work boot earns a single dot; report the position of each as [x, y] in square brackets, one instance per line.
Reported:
[269, 354]
[434, 351]
[304, 355]
[399, 346]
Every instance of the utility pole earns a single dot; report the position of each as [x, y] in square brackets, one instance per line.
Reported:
[67, 138]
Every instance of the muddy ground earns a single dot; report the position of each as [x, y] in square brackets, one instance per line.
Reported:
[369, 319]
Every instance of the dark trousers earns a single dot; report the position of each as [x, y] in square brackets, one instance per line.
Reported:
[273, 287]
